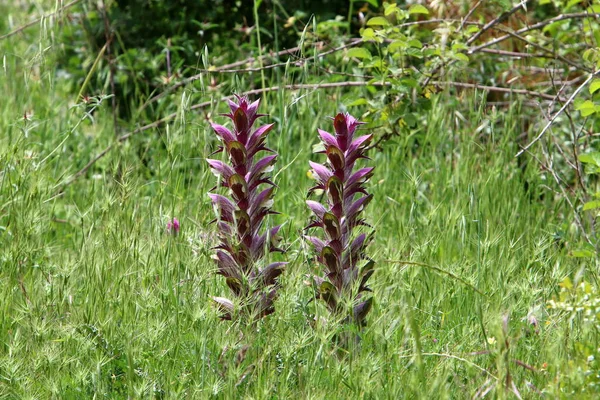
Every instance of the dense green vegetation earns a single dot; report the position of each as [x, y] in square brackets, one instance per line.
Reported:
[486, 275]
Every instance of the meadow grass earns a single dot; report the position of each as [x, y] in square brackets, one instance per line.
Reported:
[98, 301]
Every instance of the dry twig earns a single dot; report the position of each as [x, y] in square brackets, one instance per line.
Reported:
[533, 27]
[551, 121]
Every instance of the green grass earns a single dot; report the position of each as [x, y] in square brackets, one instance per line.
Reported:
[98, 301]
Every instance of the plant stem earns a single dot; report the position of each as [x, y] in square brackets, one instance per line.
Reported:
[260, 56]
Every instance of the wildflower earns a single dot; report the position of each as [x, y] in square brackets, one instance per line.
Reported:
[243, 239]
[173, 227]
[341, 254]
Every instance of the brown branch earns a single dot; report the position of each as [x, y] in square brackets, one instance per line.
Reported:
[509, 34]
[548, 166]
[230, 68]
[539, 25]
[225, 67]
[32, 23]
[563, 84]
[551, 121]
[514, 54]
[497, 89]
[544, 49]
[503, 17]
[471, 11]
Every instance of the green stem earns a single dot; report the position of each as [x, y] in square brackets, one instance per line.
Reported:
[350, 12]
[260, 60]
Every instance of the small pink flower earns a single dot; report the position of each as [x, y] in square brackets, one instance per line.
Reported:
[173, 226]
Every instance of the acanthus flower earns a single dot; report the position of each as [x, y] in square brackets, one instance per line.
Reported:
[347, 268]
[243, 241]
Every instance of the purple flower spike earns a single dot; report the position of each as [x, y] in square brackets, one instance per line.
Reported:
[243, 238]
[173, 227]
[346, 268]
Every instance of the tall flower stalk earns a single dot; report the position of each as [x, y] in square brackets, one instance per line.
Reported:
[343, 286]
[243, 239]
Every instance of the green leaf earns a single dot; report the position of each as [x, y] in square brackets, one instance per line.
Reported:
[553, 27]
[591, 205]
[418, 9]
[390, 8]
[572, 3]
[378, 21]
[566, 283]
[413, 83]
[374, 3]
[594, 86]
[412, 52]
[590, 158]
[357, 102]
[595, 9]
[586, 108]
[580, 254]
[368, 34]
[415, 43]
[410, 120]
[472, 29]
[459, 46]
[397, 44]
[461, 57]
[359, 52]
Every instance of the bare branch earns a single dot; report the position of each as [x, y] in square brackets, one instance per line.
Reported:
[503, 17]
[539, 25]
[471, 11]
[569, 101]
[231, 68]
[496, 89]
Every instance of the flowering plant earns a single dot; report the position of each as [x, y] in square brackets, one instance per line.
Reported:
[241, 215]
[343, 284]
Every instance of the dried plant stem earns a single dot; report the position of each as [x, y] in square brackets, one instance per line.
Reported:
[232, 68]
[539, 25]
[440, 270]
[501, 18]
[88, 77]
[471, 11]
[496, 89]
[553, 118]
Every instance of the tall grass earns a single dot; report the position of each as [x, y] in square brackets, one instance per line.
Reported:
[98, 301]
